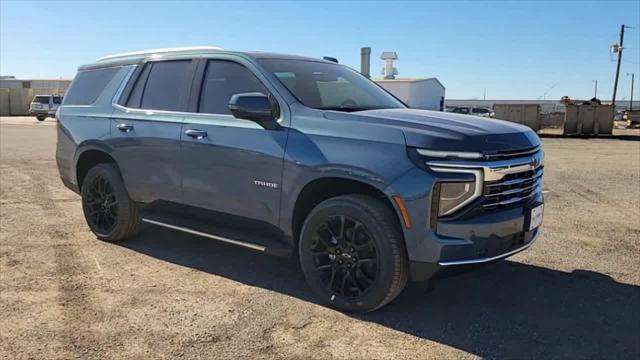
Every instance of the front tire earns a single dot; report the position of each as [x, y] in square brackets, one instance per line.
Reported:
[109, 212]
[352, 253]
[41, 118]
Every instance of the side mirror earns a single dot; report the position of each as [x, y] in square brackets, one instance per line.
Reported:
[255, 107]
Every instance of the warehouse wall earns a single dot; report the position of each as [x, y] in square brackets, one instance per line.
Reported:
[5, 107]
[426, 95]
[16, 94]
[420, 94]
[19, 100]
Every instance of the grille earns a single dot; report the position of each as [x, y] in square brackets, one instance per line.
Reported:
[512, 189]
[511, 154]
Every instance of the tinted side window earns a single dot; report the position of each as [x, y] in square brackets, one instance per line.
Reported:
[57, 99]
[480, 111]
[165, 85]
[222, 80]
[136, 94]
[88, 85]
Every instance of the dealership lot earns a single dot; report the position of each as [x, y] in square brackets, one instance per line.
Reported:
[63, 294]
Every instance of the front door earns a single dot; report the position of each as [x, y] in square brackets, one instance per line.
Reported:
[230, 165]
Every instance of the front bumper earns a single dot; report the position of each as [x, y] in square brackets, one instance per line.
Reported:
[485, 230]
[37, 112]
[533, 236]
[493, 236]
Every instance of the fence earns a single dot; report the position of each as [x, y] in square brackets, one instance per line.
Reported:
[16, 101]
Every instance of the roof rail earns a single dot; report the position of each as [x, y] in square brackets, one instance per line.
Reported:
[159, 51]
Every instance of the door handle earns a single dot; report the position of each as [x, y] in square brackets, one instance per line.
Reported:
[196, 134]
[125, 127]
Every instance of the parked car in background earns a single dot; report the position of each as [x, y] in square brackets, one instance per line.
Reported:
[633, 118]
[289, 155]
[473, 110]
[44, 106]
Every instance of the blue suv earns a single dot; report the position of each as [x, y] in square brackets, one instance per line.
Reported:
[296, 156]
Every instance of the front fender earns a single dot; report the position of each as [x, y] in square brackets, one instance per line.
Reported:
[330, 149]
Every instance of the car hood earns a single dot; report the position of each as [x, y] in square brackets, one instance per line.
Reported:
[447, 131]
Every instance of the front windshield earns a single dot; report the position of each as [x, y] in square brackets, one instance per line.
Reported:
[328, 86]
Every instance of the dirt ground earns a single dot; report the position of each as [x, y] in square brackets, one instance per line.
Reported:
[64, 294]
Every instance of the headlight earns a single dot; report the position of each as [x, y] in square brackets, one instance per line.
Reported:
[454, 195]
[451, 196]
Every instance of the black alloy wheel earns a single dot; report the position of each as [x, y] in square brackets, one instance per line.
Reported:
[352, 253]
[346, 256]
[102, 205]
[108, 210]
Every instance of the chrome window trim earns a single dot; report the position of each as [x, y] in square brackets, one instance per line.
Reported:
[477, 190]
[123, 84]
[117, 97]
[168, 112]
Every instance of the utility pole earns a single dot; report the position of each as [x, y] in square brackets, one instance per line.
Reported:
[544, 96]
[632, 81]
[620, 48]
[595, 92]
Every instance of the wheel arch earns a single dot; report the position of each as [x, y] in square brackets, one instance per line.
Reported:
[324, 188]
[89, 156]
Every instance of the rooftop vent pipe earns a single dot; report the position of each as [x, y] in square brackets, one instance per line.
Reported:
[388, 70]
[365, 61]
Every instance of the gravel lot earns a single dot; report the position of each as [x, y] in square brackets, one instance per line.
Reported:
[64, 294]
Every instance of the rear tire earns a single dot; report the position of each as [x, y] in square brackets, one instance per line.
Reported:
[352, 253]
[41, 118]
[109, 212]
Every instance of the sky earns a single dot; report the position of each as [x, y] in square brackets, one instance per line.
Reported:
[513, 49]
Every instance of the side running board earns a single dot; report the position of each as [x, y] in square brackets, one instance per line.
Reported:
[210, 236]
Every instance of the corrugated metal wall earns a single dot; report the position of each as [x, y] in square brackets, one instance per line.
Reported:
[15, 102]
[16, 94]
[5, 108]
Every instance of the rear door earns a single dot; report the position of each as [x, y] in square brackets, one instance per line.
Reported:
[235, 167]
[146, 128]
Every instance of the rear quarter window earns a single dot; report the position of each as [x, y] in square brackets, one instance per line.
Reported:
[88, 85]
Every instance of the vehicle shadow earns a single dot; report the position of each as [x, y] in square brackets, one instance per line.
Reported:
[505, 310]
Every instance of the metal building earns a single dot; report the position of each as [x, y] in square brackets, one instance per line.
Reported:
[418, 93]
[16, 94]
[425, 93]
